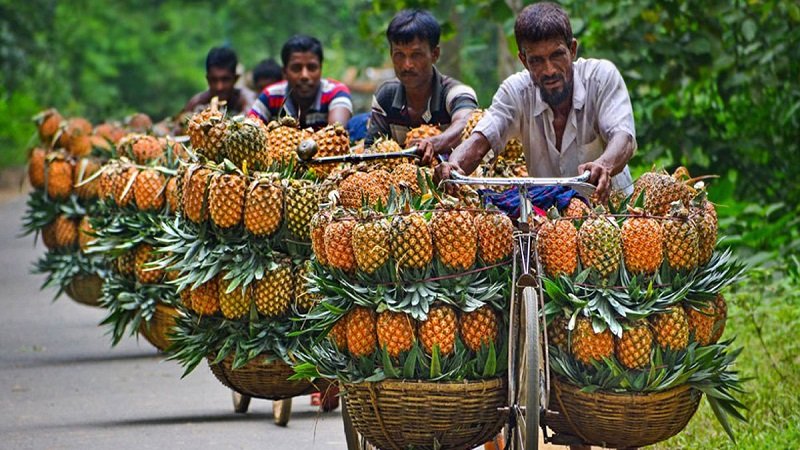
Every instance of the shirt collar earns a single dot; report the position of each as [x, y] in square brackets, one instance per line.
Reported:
[399, 102]
[292, 108]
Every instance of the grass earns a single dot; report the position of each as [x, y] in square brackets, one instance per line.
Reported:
[764, 316]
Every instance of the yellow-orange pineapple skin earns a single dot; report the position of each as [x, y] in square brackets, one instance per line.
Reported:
[143, 254]
[226, 199]
[423, 131]
[263, 208]
[205, 298]
[338, 333]
[36, 164]
[339, 244]
[371, 244]
[588, 346]
[395, 332]
[361, 331]
[440, 328]
[558, 332]
[66, 232]
[495, 237]
[599, 244]
[318, 224]
[406, 176]
[171, 195]
[86, 189]
[234, 304]
[59, 178]
[147, 148]
[85, 234]
[122, 194]
[148, 190]
[455, 238]
[194, 195]
[49, 235]
[479, 328]
[681, 240]
[634, 347]
[671, 328]
[273, 293]
[557, 244]
[411, 241]
[642, 244]
[701, 322]
[304, 300]
[720, 318]
[576, 209]
[48, 121]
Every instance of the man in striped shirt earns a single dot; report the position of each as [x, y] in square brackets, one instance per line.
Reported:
[304, 94]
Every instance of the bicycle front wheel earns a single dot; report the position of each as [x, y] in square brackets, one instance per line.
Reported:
[528, 373]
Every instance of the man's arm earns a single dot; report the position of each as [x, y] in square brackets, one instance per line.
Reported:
[465, 158]
[339, 115]
[445, 141]
[615, 157]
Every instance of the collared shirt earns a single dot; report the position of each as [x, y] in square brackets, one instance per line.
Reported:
[273, 100]
[390, 108]
[601, 107]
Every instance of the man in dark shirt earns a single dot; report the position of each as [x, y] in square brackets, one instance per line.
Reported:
[265, 73]
[420, 94]
[221, 75]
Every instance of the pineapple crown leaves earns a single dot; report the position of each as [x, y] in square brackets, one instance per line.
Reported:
[61, 267]
[40, 210]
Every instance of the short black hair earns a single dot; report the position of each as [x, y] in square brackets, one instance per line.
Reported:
[542, 21]
[410, 24]
[268, 68]
[301, 43]
[222, 57]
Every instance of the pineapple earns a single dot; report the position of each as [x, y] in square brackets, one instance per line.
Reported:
[479, 328]
[599, 244]
[205, 299]
[143, 254]
[634, 347]
[246, 143]
[36, 164]
[721, 316]
[273, 293]
[371, 244]
[85, 234]
[126, 264]
[339, 244]
[206, 131]
[284, 137]
[513, 150]
[557, 244]
[588, 345]
[59, 177]
[576, 209]
[338, 333]
[642, 243]
[680, 239]
[66, 232]
[439, 329]
[195, 194]
[171, 194]
[395, 332]
[495, 237]
[145, 149]
[109, 132]
[388, 146]
[455, 238]
[48, 123]
[75, 137]
[370, 187]
[671, 328]
[332, 140]
[472, 121]
[423, 131]
[318, 224]
[105, 183]
[405, 175]
[706, 225]
[148, 190]
[558, 332]
[411, 242]
[139, 123]
[301, 204]
[263, 207]
[303, 299]
[226, 199]
[49, 235]
[85, 169]
[122, 188]
[360, 331]
[661, 190]
[701, 322]
[236, 303]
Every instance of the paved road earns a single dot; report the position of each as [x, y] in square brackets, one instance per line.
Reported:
[63, 387]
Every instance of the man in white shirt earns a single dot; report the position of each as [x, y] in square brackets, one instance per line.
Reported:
[571, 115]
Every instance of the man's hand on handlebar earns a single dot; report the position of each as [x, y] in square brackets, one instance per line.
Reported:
[600, 176]
[442, 172]
[426, 148]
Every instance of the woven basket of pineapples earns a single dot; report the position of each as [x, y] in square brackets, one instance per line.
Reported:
[635, 314]
[240, 245]
[70, 151]
[412, 288]
[137, 191]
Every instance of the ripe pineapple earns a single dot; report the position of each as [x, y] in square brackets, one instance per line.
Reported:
[143, 254]
[339, 244]
[226, 199]
[66, 232]
[421, 132]
[338, 333]
[205, 299]
[85, 234]
[513, 150]
[246, 141]
[59, 177]
[105, 183]
[721, 316]
[36, 164]
[75, 136]
[85, 169]
[194, 194]
[680, 239]
[495, 237]
[109, 132]
[558, 332]
[273, 293]
[123, 185]
[634, 347]
[263, 207]
[234, 304]
[360, 330]
[318, 224]
[701, 322]
[410, 240]
[301, 204]
[333, 140]
[171, 194]
[48, 123]
[370, 187]
[557, 244]
[303, 299]
[148, 190]
[388, 146]
[661, 190]
[587, 345]
[370, 244]
[706, 225]
[455, 238]
[206, 131]
[49, 235]
[284, 137]
[405, 175]
[139, 123]
[479, 328]
[439, 329]
[642, 243]
[126, 264]
[599, 244]
[671, 328]
[576, 209]
[395, 332]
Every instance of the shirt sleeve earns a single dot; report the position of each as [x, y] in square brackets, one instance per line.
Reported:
[378, 124]
[259, 109]
[614, 110]
[459, 97]
[341, 98]
[502, 117]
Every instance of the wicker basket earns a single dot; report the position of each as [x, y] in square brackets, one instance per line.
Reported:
[262, 379]
[396, 414]
[155, 331]
[621, 420]
[85, 289]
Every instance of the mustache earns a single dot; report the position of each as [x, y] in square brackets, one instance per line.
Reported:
[408, 73]
[552, 78]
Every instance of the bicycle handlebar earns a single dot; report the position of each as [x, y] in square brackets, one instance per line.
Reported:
[308, 148]
[579, 183]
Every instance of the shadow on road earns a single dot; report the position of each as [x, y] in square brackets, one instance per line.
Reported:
[83, 359]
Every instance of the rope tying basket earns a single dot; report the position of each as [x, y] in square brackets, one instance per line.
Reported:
[156, 330]
[620, 420]
[85, 289]
[262, 379]
[398, 414]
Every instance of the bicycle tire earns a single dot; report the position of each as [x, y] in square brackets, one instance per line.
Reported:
[531, 381]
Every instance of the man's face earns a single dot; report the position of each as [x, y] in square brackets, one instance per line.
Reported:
[220, 82]
[413, 63]
[549, 63]
[303, 72]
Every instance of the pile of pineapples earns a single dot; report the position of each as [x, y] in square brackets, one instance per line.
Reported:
[634, 297]
[62, 171]
[507, 163]
[410, 283]
[137, 190]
